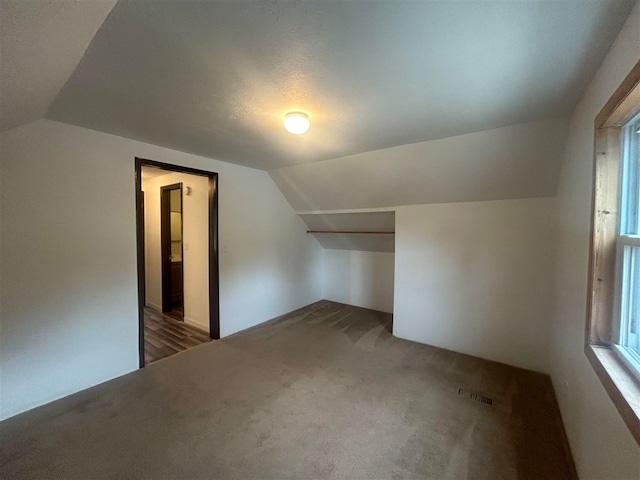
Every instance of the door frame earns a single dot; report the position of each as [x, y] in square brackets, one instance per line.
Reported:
[165, 246]
[214, 279]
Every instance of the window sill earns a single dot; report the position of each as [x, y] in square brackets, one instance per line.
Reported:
[621, 384]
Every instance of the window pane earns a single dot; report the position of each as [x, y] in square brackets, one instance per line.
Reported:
[630, 327]
[629, 253]
[630, 204]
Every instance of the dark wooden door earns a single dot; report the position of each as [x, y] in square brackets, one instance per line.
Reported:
[172, 274]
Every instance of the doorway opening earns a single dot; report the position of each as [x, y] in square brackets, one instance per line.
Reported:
[177, 243]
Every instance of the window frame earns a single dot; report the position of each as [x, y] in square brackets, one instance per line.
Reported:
[615, 369]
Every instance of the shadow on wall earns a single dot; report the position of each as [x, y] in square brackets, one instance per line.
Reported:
[362, 279]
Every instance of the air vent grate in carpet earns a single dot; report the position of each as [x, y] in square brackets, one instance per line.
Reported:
[475, 396]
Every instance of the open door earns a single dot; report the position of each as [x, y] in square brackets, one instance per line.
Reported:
[171, 250]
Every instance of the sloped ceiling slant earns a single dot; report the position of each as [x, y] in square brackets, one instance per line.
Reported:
[41, 43]
[520, 161]
[357, 222]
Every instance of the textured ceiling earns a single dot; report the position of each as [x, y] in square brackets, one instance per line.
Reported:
[41, 43]
[215, 78]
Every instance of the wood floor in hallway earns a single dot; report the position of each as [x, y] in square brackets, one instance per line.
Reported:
[165, 336]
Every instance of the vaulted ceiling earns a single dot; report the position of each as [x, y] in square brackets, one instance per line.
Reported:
[215, 78]
[41, 43]
[410, 102]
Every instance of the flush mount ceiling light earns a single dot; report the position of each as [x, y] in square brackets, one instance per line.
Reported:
[296, 122]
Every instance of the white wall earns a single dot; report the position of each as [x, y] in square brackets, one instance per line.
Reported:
[363, 279]
[602, 446]
[195, 238]
[475, 278]
[68, 305]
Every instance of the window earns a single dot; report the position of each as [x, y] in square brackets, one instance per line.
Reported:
[628, 246]
[613, 310]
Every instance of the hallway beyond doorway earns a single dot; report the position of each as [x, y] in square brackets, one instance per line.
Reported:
[164, 336]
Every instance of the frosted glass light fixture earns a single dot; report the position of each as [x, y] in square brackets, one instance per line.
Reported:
[296, 122]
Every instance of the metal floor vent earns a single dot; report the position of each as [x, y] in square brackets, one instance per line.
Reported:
[475, 396]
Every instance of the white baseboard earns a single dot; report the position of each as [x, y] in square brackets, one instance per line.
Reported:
[195, 323]
[154, 306]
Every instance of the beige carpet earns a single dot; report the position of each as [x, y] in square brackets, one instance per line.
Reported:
[323, 392]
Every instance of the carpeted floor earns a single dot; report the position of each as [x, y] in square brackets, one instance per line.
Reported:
[323, 392]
